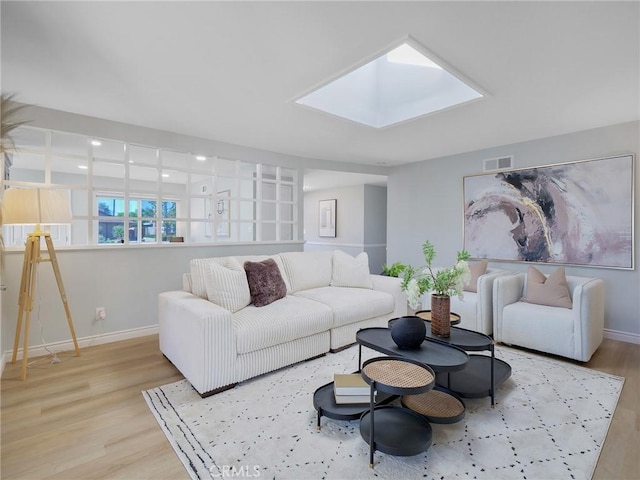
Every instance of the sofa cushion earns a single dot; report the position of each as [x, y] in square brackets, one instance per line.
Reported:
[477, 269]
[227, 285]
[349, 271]
[265, 282]
[199, 270]
[279, 322]
[551, 291]
[308, 269]
[350, 305]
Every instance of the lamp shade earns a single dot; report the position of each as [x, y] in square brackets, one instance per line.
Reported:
[28, 206]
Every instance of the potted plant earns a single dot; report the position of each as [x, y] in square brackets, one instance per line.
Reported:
[442, 282]
[8, 112]
[394, 270]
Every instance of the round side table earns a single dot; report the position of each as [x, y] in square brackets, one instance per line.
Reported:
[389, 429]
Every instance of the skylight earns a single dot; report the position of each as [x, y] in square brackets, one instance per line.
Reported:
[400, 85]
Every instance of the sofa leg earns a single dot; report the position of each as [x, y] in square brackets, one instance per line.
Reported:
[344, 347]
[216, 390]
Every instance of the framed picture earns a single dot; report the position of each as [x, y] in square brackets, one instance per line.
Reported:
[222, 211]
[327, 218]
[574, 213]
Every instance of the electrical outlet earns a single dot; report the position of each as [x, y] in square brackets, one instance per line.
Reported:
[101, 313]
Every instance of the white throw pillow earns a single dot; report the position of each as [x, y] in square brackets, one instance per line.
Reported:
[227, 285]
[307, 270]
[349, 271]
[199, 271]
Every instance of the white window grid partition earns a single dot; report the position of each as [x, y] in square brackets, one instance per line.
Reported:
[84, 229]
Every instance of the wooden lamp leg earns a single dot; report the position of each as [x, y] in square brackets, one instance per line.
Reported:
[27, 292]
[63, 295]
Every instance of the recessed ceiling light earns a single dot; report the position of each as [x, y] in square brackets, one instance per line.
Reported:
[165, 175]
[83, 167]
[202, 158]
[96, 143]
[399, 85]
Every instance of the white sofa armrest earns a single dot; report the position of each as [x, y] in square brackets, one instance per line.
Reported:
[507, 289]
[391, 285]
[197, 336]
[588, 309]
[484, 300]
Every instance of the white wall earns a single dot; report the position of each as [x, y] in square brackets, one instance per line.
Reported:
[426, 202]
[361, 215]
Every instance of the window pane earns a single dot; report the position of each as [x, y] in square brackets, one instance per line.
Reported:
[109, 150]
[133, 208]
[225, 168]
[286, 231]
[268, 211]
[69, 144]
[203, 166]
[286, 212]
[143, 179]
[170, 177]
[247, 188]
[148, 231]
[269, 172]
[169, 210]
[133, 232]
[248, 170]
[26, 167]
[70, 171]
[149, 208]
[79, 203]
[168, 230]
[110, 231]
[142, 155]
[287, 175]
[29, 138]
[247, 232]
[174, 159]
[110, 207]
[200, 207]
[268, 232]
[108, 175]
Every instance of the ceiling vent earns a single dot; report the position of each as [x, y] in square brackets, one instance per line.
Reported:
[500, 163]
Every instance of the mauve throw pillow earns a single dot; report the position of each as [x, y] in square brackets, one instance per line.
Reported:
[265, 282]
[552, 290]
[477, 269]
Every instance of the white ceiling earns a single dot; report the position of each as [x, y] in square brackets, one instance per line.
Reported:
[230, 71]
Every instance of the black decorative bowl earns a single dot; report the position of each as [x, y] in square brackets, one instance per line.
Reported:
[408, 332]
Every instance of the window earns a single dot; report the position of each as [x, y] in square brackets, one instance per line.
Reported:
[143, 195]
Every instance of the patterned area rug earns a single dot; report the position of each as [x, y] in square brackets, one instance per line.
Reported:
[550, 421]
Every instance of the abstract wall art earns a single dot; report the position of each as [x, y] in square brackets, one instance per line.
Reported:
[577, 213]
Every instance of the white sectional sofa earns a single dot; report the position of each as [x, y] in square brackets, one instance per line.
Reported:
[216, 338]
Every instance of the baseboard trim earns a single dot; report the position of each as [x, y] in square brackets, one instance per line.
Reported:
[40, 350]
[622, 336]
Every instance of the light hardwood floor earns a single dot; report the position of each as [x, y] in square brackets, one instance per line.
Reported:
[85, 418]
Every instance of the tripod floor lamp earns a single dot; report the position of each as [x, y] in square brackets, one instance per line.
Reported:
[40, 207]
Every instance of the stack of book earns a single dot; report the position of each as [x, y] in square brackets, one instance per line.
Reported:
[350, 388]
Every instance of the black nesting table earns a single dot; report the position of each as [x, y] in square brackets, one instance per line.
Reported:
[482, 374]
[442, 357]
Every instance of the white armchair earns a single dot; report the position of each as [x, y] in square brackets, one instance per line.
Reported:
[476, 309]
[569, 332]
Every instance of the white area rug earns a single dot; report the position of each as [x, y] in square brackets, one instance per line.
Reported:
[550, 421]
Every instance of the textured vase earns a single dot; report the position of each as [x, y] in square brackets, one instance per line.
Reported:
[408, 332]
[441, 315]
